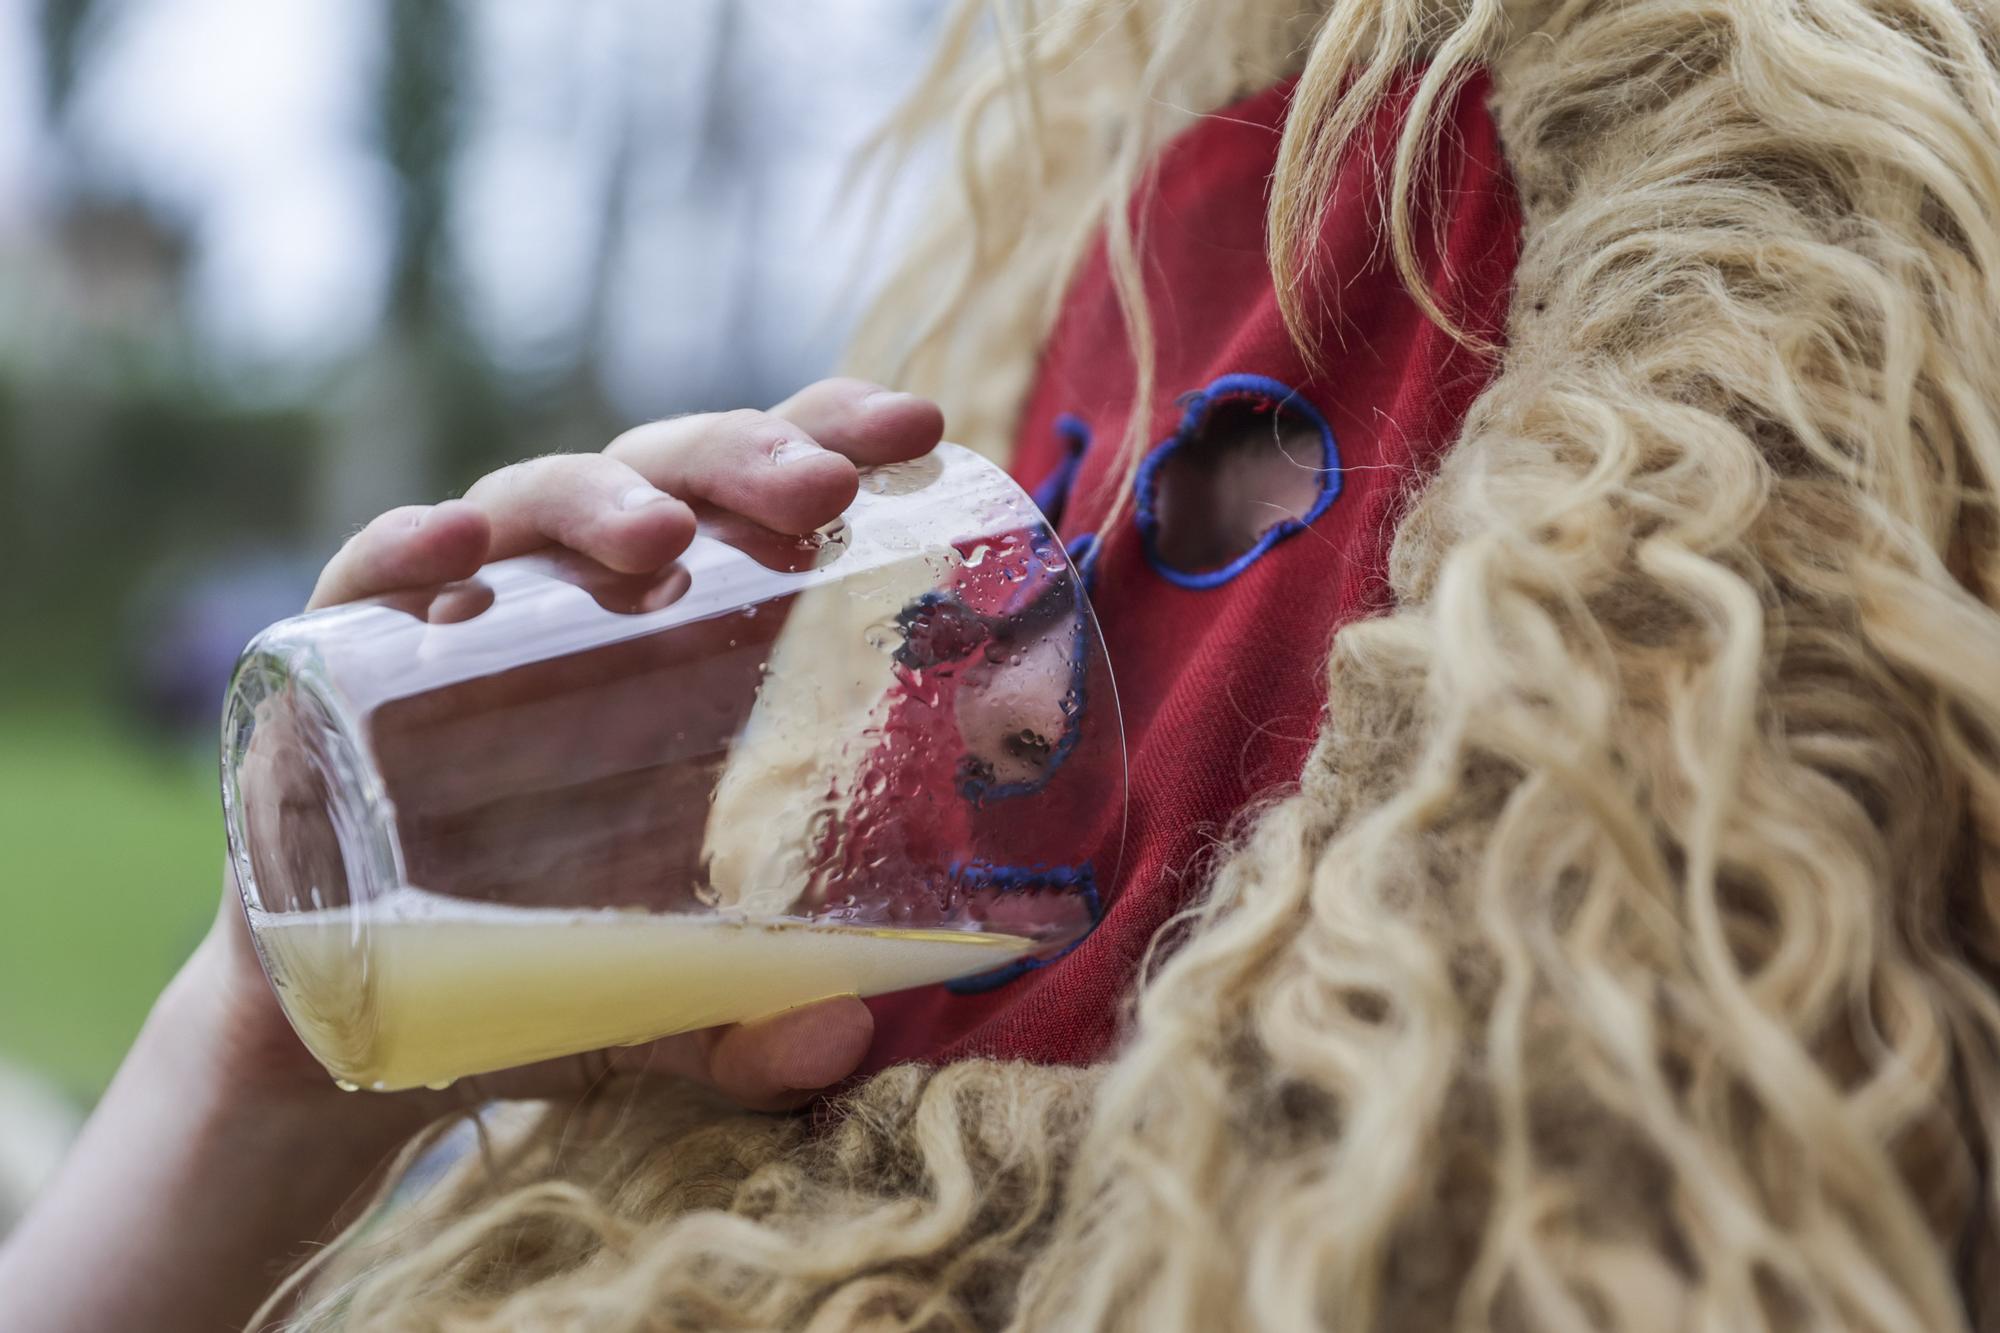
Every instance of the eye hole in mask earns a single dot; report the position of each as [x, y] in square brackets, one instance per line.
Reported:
[1252, 463]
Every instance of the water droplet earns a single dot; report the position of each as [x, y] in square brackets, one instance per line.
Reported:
[440, 1085]
[978, 556]
[901, 478]
[1028, 744]
[346, 1086]
[828, 543]
[884, 636]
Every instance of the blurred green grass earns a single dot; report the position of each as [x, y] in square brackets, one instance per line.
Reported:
[110, 852]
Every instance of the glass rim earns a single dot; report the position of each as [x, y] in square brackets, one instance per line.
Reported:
[360, 811]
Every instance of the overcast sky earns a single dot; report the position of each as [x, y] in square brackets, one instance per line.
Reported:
[250, 121]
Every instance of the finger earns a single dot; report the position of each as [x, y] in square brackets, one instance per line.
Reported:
[751, 463]
[684, 1055]
[772, 1064]
[405, 548]
[593, 505]
[866, 422]
[777, 1063]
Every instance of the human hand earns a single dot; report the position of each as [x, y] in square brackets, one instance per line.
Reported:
[792, 470]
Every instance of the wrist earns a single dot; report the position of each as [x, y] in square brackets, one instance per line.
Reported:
[207, 1167]
[216, 1033]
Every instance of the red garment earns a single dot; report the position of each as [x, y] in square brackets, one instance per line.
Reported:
[1221, 676]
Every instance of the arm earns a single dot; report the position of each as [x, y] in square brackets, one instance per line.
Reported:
[221, 1151]
[196, 1181]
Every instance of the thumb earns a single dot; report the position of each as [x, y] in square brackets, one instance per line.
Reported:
[779, 1062]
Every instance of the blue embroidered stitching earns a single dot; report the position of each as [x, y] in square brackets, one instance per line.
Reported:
[978, 791]
[1279, 396]
[1052, 496]
[1083, 551]
[1081, 880]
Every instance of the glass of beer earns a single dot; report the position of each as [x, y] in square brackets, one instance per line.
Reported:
[553, 808]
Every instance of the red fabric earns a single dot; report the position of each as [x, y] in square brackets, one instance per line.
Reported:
[1222, 688]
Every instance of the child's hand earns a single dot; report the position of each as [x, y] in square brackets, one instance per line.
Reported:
[791, 469]
[221, 1149]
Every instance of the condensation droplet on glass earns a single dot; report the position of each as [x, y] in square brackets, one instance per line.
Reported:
[901, 478]
[977, 556]
[827, 543]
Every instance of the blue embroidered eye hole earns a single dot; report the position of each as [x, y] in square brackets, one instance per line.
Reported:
[1035, 888]
[1252, 463]
[1019, 711]
[1020, 700]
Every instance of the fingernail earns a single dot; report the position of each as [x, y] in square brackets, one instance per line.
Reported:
[886, 398]
[791, 451]
[640, 496]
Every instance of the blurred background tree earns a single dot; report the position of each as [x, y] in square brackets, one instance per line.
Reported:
[266, 270]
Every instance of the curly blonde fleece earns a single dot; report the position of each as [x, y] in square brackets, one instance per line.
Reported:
[1625, 958]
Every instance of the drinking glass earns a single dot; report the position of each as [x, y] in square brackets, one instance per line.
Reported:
[553, 808]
